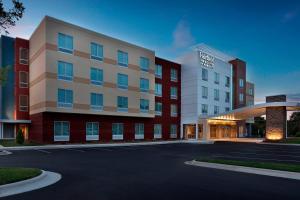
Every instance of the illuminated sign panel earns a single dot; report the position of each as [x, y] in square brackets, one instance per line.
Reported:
[206, 60]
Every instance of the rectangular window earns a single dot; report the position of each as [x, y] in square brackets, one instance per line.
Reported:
[227, 81]
[144, 105]
[173, 92]
[64, 98]
[204, 74]
[158, 108]
[174, 75]
[65, 71]
[61, 131]
[96, 76]
[241, 82]
[158, 89]
[96, 101]
[23, 79]
[157, 131]
[144, 64]
[122, 81]
[217, 78]
[24, 56]
[92, 131]
[250, 91]
[122, 104]
[227, 97]
[144, 85]
[173, 131]
[204, 108]
[65, 43]
[158, 71]
[173, 110]
[96, 51]
[139, 131]
[122, 58]
[216, 110]
[204, 92]
[23, 103]
[227, 109]
[216, 95]
[117, 131]
[241, 97]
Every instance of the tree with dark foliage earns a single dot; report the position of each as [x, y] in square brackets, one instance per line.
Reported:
[9, 17]
[294, 124]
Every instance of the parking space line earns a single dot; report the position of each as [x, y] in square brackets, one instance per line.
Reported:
[127, 148]
[43, 151]
[78, 150]
[242, 157]
[100, 149]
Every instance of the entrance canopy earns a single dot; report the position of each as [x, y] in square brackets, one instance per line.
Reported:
[254, 111]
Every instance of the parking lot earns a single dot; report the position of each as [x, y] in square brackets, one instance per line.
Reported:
[156, 172]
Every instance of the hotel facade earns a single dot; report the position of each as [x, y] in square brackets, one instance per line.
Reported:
[70, 84]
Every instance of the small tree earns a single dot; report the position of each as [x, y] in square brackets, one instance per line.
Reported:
[20, 137]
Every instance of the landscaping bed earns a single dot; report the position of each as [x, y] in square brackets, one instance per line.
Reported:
[11, 175]
[261, 165]
[13, 143]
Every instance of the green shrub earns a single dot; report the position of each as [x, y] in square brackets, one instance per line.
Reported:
[20, 137]
[298, 134]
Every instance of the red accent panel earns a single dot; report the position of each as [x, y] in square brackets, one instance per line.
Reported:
[20, 43]
[239, 72]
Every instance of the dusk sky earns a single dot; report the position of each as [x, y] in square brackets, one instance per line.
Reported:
[265, 35]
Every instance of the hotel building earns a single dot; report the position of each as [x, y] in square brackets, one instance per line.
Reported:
[70, 84]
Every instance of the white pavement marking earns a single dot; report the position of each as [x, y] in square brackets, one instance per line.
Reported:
[100, 149]
[45, 179]
[43, 151]
[249, 170]
[127, 148]
[243, 157]
[4, 153]
[78, 150]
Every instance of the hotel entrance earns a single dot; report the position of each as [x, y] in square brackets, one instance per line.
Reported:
[190, 131]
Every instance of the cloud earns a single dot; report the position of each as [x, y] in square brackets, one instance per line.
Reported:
[289, 16]
[182, 36]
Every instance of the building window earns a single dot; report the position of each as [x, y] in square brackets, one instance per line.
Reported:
[227, 97]
[96, 76]
[216, 95]
[174, 75]
[122, 58]
[173, 92]
[227, 81]
[227, 109]
[204, 74]
[241, 82]
[65, 43]
[96, 51]
[241, 97]
[122, 104]
[144, 105]
[61, 131]
[217, 78]
[144, 85]
[65, 98]
[96, 101]
[23, 103]
[92, 131]
[173, 131]
[204, 92]
[24, 56]
[122, 81]
[158, 89]
[65, 71]
[216, 110]
[117, 131]
[173, 110]
[250, 91]
[139, 131]
[157, 131]
[204, 108]
[158, 71]
[23, 79]
[144, 64]
[158, 108]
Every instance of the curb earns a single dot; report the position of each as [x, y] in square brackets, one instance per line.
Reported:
[45, 179]
[66, 146]
[249, 170]
[280, 144]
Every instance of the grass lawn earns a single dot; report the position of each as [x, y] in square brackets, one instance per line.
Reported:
[12, 143]
[292, 140]
[11, 175]
[263, 165]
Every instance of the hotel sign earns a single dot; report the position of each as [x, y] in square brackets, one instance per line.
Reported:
[206, 60]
